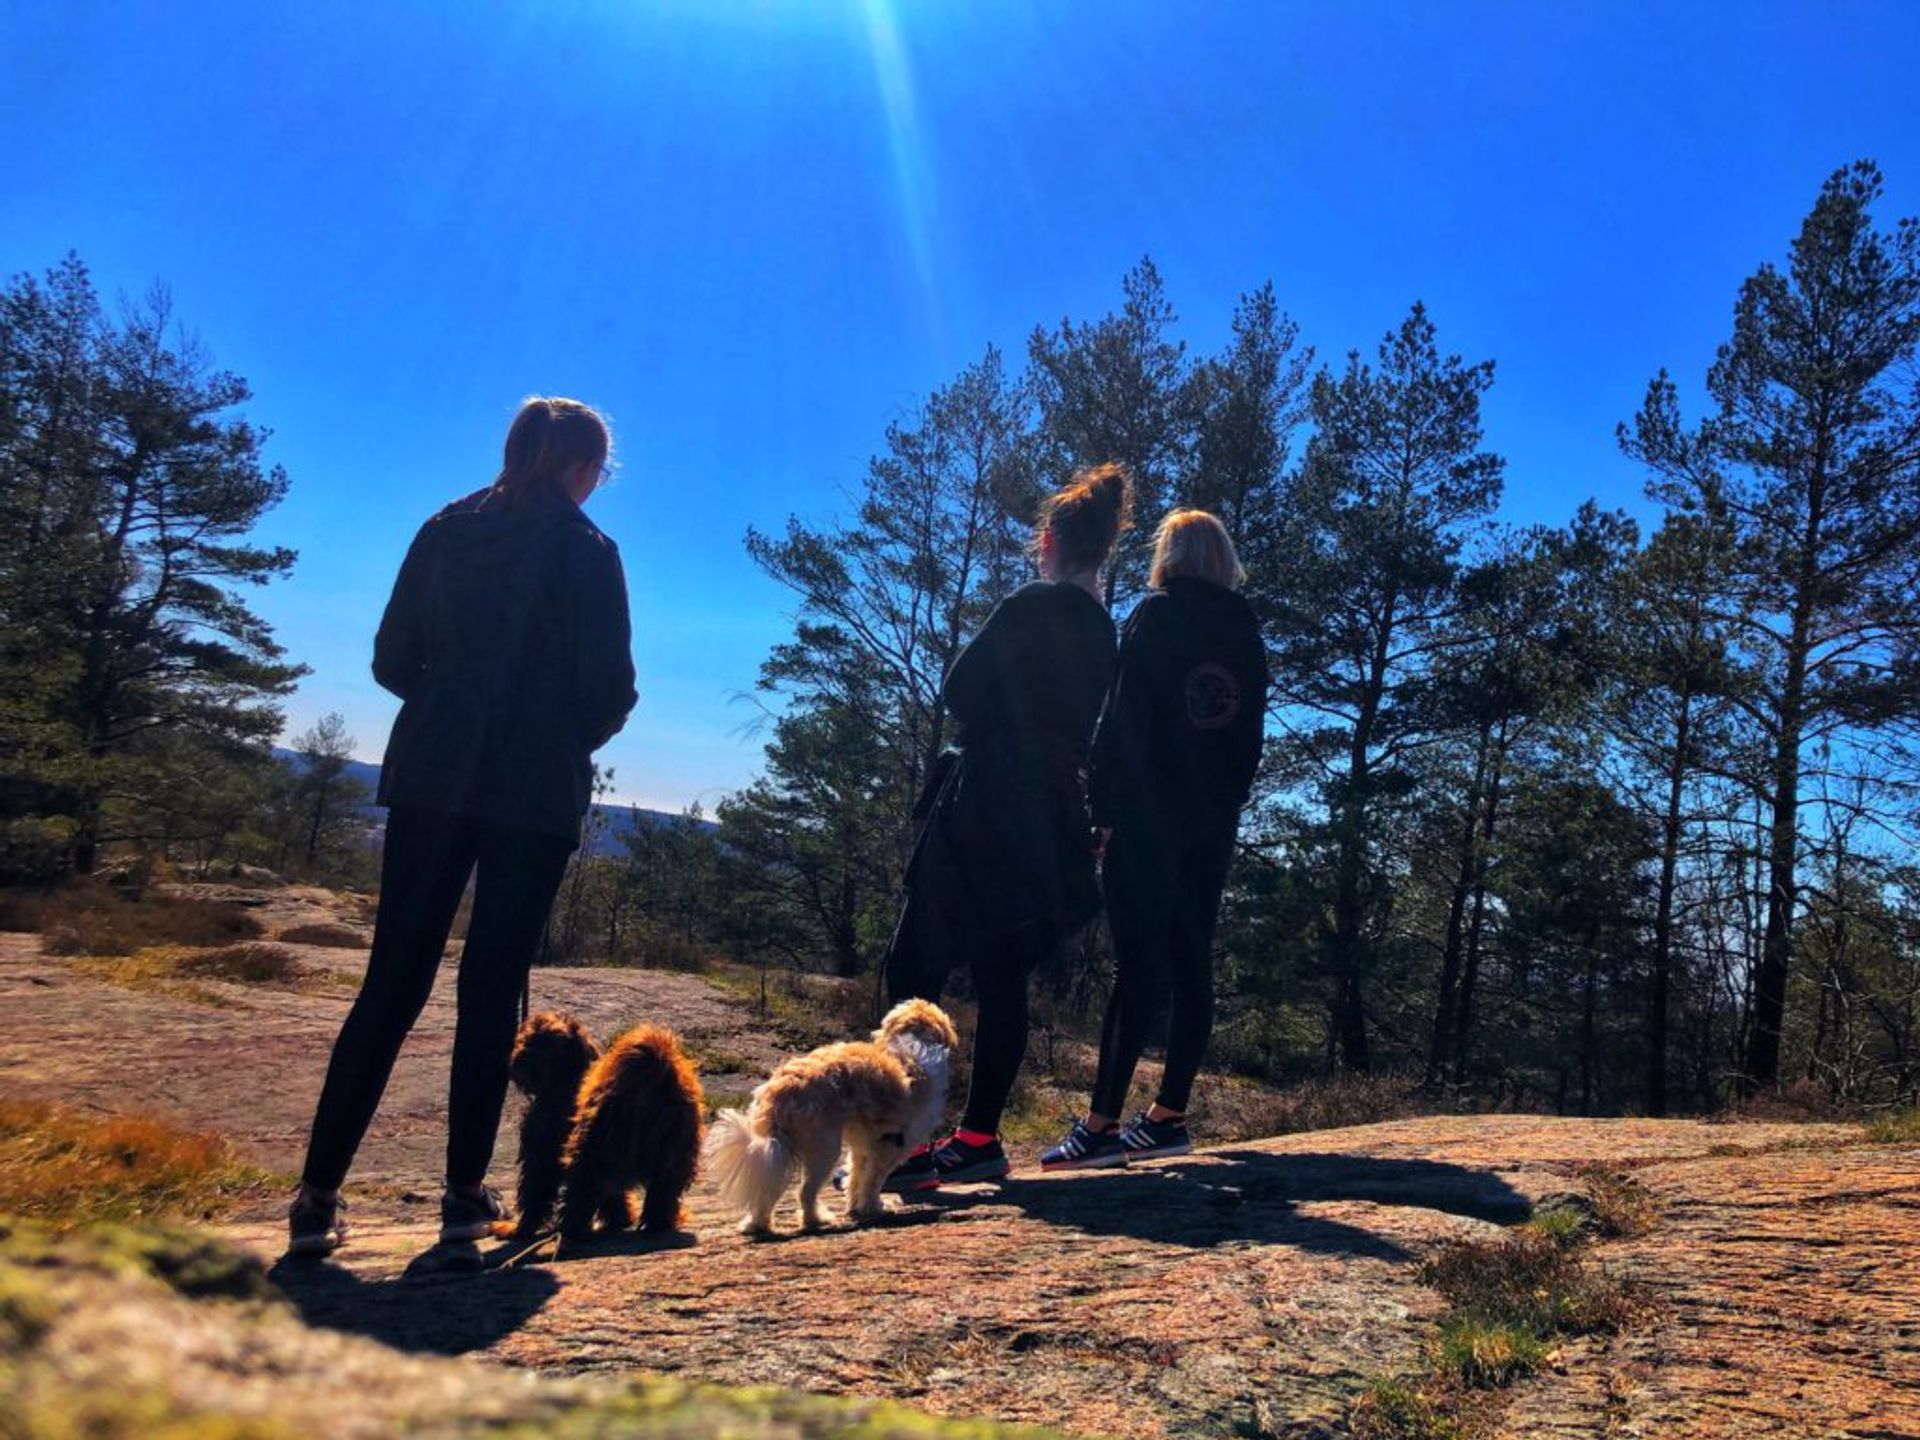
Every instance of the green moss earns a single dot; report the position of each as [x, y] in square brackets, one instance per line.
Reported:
[1564, 1225]
[190, 1262]
[1487, 1353]
[26, 1311]
[671, 1410]
[130, 1415]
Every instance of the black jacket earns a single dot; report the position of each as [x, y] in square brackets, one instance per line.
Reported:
[1007, 843]
[508, 639]
[1180, 738]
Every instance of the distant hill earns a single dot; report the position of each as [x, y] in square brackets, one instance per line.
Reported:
[618, 819]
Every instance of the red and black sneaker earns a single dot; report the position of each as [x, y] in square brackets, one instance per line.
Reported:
[916, 1172]
[958, 1160]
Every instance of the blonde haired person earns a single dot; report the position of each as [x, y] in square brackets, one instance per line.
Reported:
[506, 639]
[1178, 745]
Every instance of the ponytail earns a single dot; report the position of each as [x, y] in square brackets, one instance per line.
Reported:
[549, 437]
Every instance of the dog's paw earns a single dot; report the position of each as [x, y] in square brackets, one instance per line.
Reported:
[755, 1228]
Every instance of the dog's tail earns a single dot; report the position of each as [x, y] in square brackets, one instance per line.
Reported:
[751, 1170]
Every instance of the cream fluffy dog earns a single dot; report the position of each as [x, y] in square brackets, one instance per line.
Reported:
[878, 1098]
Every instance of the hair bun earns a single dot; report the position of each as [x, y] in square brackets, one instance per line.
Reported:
[1087, 517]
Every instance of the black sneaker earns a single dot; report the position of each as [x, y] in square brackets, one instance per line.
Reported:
[314, 1227]
[465, 1216]
[1146, 1139]
[1085, 1149]
[956, 1162]
[916, 1172]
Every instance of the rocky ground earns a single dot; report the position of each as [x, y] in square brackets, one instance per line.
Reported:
[1249, 1290]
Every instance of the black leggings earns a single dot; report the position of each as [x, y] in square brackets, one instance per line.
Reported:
[917, 964]
[1162, 901]
[423, 873]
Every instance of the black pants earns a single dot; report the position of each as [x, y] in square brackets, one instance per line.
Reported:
[1162, 901]
[423, 873]
[925, 949]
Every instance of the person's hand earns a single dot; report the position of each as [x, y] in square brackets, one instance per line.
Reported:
[1101, 835]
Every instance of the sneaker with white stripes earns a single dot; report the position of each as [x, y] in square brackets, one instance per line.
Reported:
[1085, 1149]
[1145, 1139]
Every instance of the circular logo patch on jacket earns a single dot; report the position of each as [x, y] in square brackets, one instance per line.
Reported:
[1213, 696]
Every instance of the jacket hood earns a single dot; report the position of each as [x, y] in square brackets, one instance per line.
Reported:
[489, 526]
[1205, 595]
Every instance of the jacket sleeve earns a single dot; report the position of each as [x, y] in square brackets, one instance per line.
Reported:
[400, 644]
[974, 677]
[1123, 743]
[603, 676]
[1252, 736]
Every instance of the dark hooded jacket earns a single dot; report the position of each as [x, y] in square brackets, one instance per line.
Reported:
[1007, 842]
[1180, 737]
[507, 638]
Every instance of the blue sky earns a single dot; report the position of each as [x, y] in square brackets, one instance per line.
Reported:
[755, 232]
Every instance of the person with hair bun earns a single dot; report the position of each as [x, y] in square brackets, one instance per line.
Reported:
[1173, 762]
[1004, 867]
[507, 640]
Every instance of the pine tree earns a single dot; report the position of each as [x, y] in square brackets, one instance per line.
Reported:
[1117, 389]
[129, 486]
[1813, 452]
[1393, 486]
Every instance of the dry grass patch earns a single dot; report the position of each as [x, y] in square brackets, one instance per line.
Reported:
[89, 917]
[184, 971]
[325, 932]
[68, 1166]
[1620, 1205]
[1898, 1127]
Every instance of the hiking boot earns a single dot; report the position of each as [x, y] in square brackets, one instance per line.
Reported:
[470, 1215]
[959, 1162]
[314, 1227]
[1085, 1149]
[916, 1172]
[1146, 1139]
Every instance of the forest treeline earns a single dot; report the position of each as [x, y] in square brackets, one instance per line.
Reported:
[1598, 816]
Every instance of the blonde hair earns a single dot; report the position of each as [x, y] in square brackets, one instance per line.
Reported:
[1194, 545]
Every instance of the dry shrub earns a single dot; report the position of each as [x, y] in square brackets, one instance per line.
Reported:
[1396, 1410]
[325, 932]
[1526, 1280]
[1237, 1110]
[68, 1166]
[1796, 1103]
[1620, 1205]
[664, 950]
[89, 917]
[1896, 1127]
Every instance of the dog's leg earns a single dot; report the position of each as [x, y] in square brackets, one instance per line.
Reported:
[822, 1154]
[662, 1213]
[868, 1162]
[617, 1210]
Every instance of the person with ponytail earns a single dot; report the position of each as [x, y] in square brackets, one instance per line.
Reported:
[1004, 869]
[1173, 762]
[507, 640]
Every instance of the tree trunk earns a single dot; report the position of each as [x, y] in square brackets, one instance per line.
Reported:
[1439, 1051]
[1762, 1068]
[1659, 1002]
[1476, 924]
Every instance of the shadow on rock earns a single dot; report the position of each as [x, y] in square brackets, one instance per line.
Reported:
[446, 1314]
[623, 1242]
[1238, 1196]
